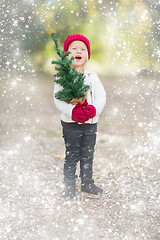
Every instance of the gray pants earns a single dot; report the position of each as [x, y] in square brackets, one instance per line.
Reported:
[79, 141]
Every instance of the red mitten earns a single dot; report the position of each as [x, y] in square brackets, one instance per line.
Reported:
[85, 103]
[91, 111]
[78, 114]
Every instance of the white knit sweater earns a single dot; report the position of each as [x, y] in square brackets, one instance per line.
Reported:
[96, 96]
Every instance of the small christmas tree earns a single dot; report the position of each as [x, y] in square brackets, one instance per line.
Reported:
[74, 90]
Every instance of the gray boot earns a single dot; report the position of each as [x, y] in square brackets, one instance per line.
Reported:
[87, 185]
[69, 188]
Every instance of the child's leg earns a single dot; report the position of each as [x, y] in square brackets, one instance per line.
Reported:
[86, 161]
[73, 140]
[87, 151]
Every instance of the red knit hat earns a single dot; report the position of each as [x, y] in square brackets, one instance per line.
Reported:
[77, 37]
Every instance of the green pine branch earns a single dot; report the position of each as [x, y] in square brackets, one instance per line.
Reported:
[71, 80]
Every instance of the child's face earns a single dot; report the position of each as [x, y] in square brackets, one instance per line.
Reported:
[78, 50]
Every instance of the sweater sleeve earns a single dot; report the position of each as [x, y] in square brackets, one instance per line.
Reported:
[62, 106]
[99, 95]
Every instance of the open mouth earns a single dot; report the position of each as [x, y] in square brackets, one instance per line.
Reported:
[78, 57]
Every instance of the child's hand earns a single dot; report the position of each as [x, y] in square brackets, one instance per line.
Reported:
[90, 110]
[79, 114]
[85, 103]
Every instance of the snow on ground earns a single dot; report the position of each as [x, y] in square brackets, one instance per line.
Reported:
[126, 165]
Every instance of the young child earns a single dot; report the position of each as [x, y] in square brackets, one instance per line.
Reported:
[79, 122]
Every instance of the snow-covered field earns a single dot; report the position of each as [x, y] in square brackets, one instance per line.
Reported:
[126, 165]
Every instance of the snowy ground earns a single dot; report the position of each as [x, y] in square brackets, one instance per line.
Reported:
[126, 165]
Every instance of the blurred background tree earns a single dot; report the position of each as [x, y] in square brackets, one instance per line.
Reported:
[124, 34]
